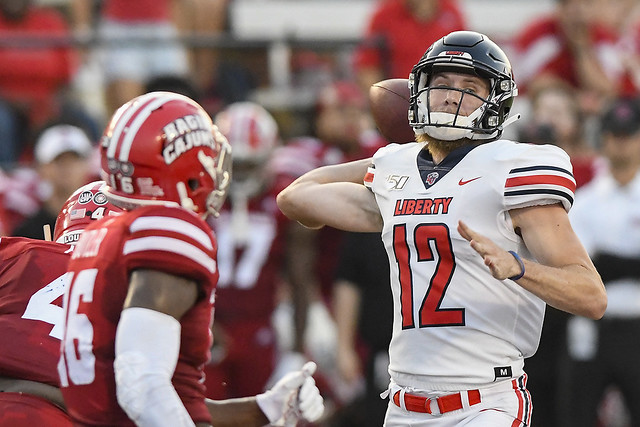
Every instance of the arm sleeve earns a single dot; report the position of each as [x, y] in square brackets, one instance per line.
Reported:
[147, 347]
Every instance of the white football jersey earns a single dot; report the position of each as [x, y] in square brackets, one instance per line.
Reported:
[455, 326]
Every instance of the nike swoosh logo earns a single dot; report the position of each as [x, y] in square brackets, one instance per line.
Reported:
[461, 182]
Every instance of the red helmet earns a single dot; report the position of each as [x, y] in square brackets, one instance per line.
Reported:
[250, 129]
[252, 133]
[88, 203]
[162, 148]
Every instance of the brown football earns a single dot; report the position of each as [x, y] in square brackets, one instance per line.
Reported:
[389, 103]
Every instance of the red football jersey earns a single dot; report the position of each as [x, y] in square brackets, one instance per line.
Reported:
[32, 281]
[250, 258]
[160, 238]
[405, 37]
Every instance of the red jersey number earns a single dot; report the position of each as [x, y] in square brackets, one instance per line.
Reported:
[430, 314]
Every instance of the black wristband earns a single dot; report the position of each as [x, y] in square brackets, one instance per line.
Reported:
[517, 257]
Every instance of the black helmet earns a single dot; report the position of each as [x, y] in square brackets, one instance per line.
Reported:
[463, 52]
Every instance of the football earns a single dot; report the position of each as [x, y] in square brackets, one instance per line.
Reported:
[389, 103]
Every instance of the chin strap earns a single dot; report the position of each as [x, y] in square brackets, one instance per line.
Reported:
[185, 200]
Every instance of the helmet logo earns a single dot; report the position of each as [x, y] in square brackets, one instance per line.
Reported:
[186, 133]
[85, 197]
[77, 213]
[458, 53]
[148, 188]
[71, 237]
[99, 198]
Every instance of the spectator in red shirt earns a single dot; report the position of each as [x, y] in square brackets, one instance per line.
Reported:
[404, 27]
[574, 46]
[32, 76]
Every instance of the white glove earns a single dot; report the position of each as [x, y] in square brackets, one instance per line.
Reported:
[295, 396]
[287, 362]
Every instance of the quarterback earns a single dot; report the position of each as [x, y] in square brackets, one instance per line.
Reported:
[477, 236]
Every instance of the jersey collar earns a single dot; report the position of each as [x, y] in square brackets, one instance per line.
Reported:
[432, 173]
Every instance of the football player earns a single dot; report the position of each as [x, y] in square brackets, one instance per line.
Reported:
[251, 233]
[139, 308]
[477, 235]
[32, 280]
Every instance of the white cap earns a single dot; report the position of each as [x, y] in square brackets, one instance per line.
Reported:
[60, 139]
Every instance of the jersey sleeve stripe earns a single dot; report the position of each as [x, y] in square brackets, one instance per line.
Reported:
[547, 191]
[541, 180]
[368, 178]
[175, 225]
[168, 244]
[540, 168]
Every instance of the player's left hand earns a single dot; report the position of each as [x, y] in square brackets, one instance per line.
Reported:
[294, 397]
[500, 262]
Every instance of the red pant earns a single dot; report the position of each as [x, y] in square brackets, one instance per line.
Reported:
[25, 410]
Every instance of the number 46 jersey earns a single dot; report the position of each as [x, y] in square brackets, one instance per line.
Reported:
[455, 326]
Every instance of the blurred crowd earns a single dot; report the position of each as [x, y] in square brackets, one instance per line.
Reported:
[290, 294]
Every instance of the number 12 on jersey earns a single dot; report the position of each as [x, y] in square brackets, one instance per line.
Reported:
[430, 313]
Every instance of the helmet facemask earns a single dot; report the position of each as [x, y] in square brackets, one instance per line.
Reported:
[219, 170]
